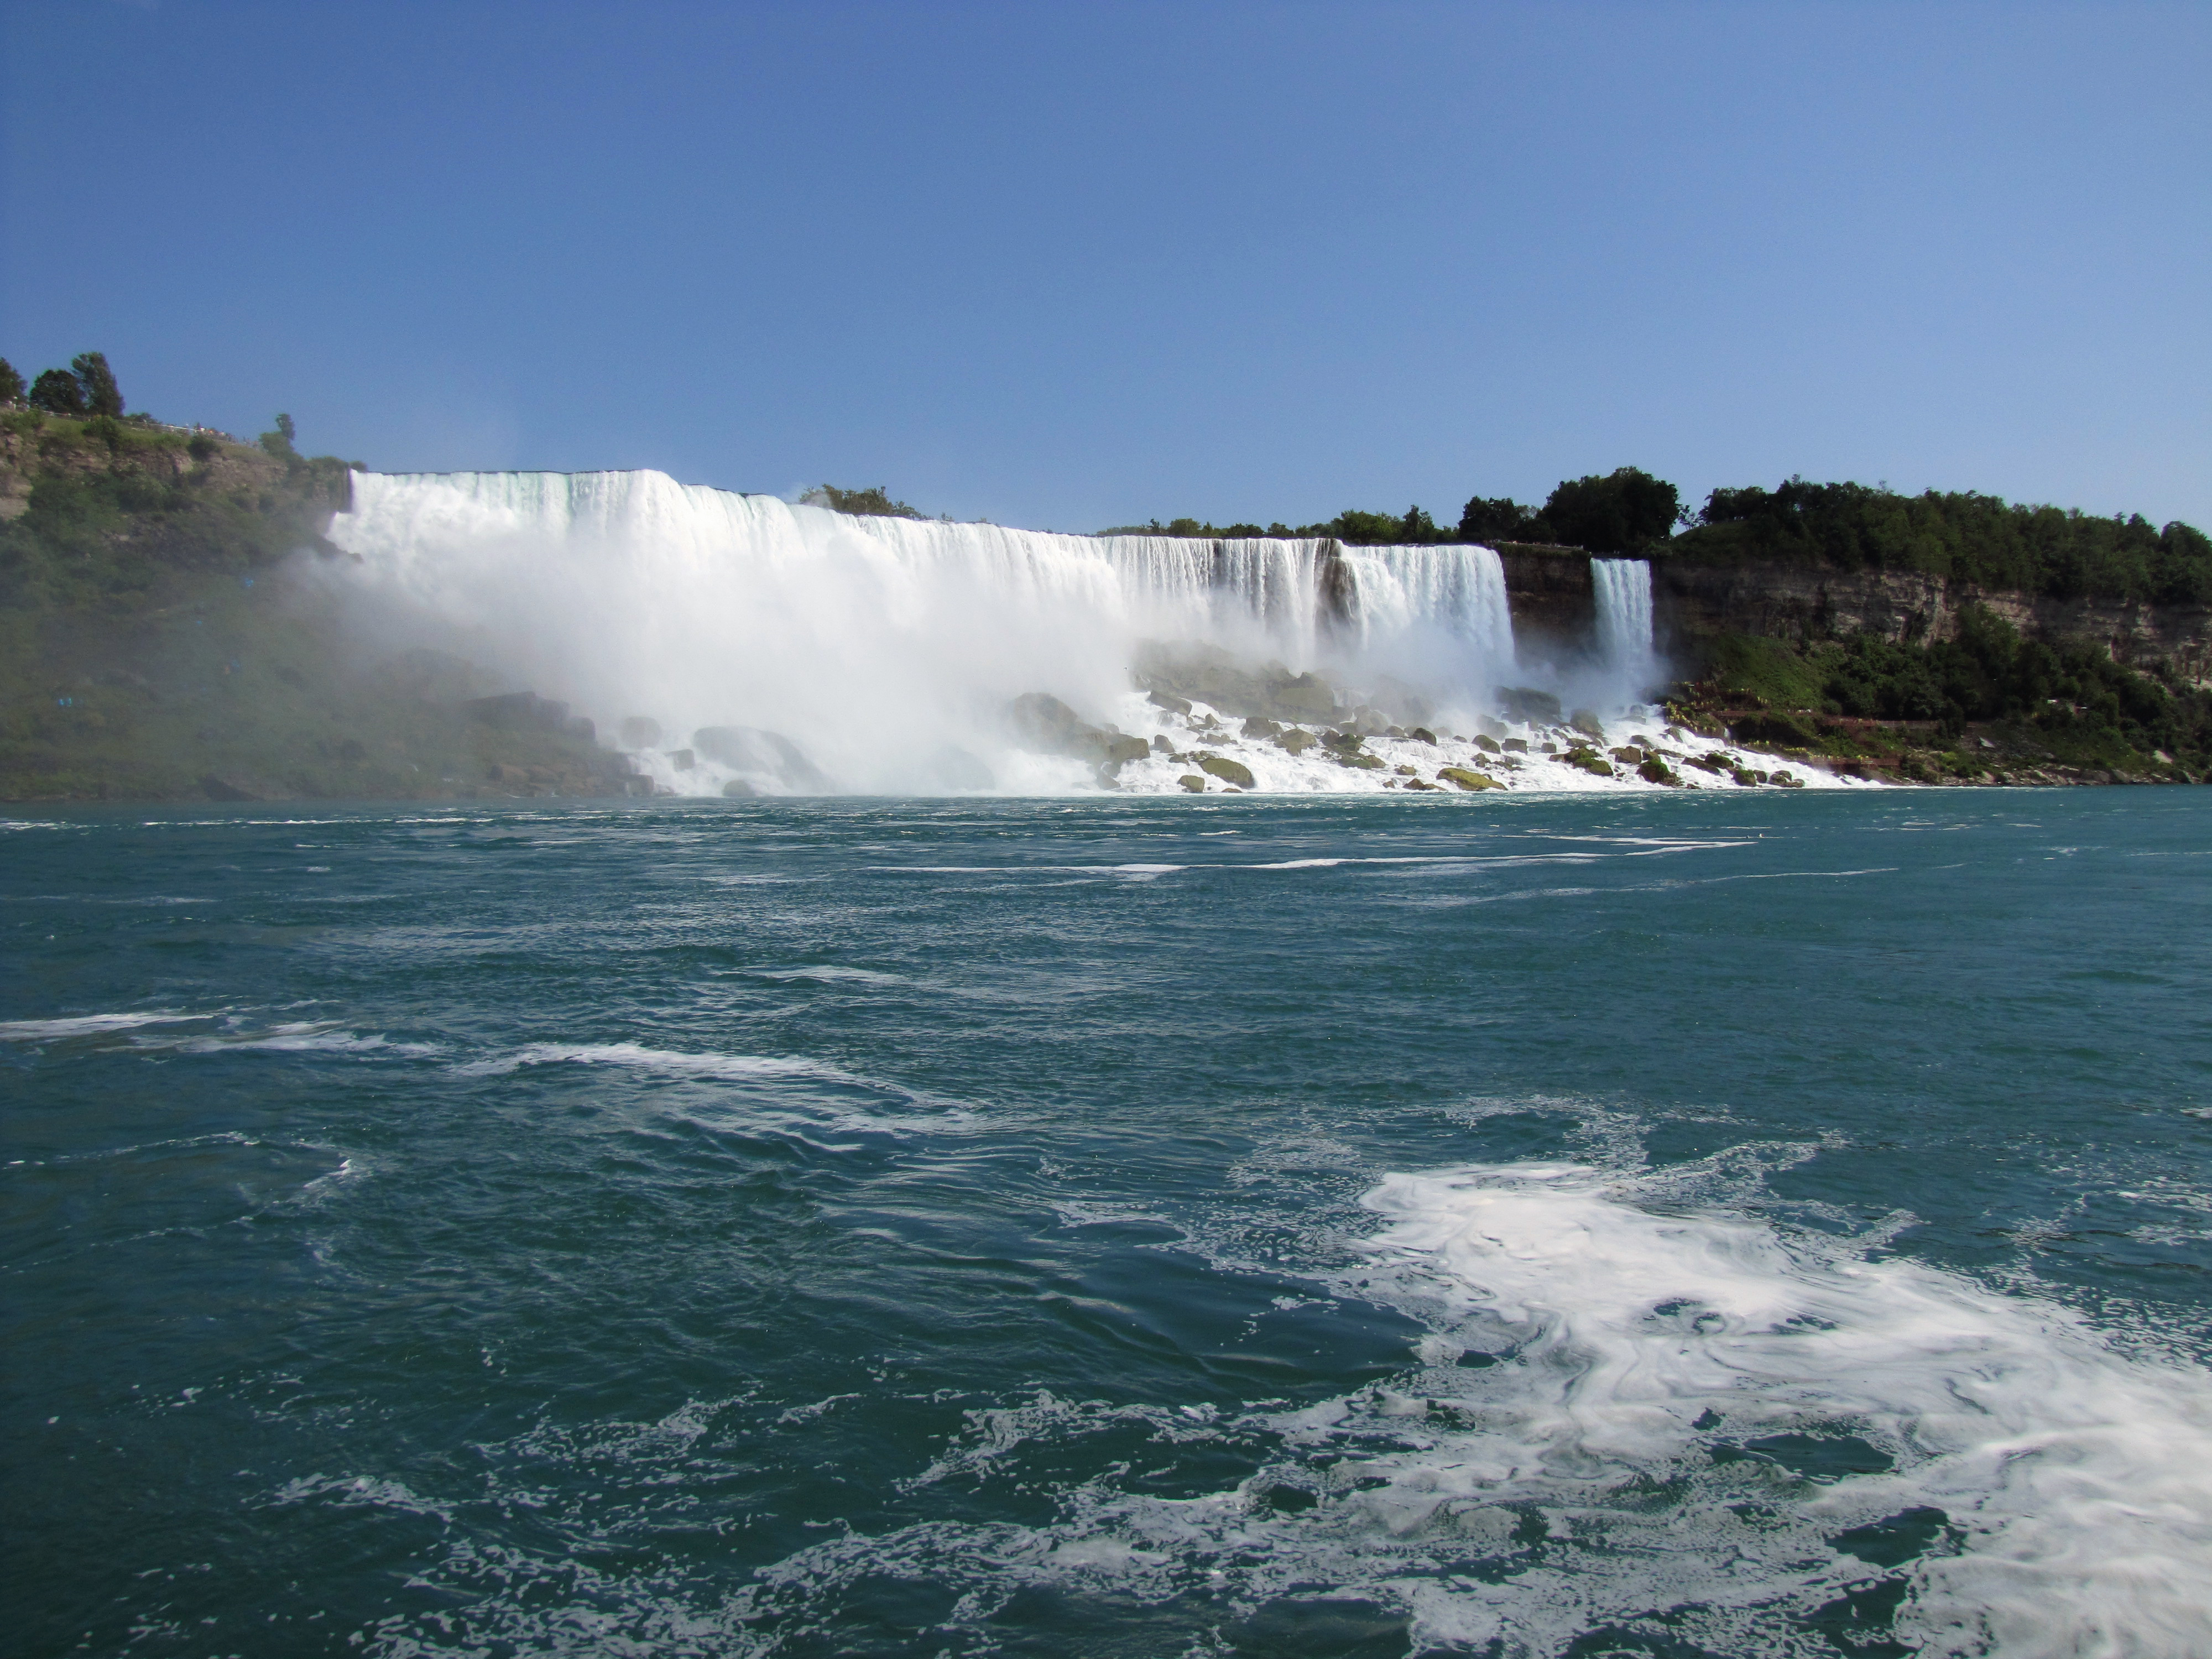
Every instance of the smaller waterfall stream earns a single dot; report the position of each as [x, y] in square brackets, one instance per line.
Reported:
[1623, 588]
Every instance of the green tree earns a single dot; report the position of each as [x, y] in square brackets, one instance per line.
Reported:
[1498, 518]
[59, 392]
[11, 383]
[279, 442]
[101, 395]
[1625, 511]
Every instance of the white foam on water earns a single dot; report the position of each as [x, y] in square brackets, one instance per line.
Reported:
[1691, 1425]
[2077, 1479]
[41, 1030]
[667, 1062]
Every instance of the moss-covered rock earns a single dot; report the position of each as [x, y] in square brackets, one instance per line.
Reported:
[1361, 761]
[1653, 770]
[1192, 782]
[1467, 780]
[1295, 741]
[1228, 771]
[1489, 745]
[1422, 734]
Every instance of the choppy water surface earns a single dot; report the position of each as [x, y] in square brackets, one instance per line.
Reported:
[1656, 1225]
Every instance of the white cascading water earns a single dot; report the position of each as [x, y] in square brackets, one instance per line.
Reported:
[1623, 588]
[876, 643]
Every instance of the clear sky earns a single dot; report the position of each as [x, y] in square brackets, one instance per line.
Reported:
[1069, 264]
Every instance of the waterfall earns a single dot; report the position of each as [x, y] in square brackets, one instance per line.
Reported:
[1460, 591]
[1623, 588]
[866, 640]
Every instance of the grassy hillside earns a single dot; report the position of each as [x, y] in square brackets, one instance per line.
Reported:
[164, 636]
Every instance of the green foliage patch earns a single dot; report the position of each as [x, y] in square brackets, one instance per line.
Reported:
[1965, 536]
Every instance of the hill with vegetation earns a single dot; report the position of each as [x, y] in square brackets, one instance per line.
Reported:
[163, 633]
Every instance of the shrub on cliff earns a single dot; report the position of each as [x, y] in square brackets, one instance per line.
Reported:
[11, 383]
[874, 501]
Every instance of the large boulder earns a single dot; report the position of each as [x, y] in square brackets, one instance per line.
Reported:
[1042, 722]
[1589, 761]
[1192, 782]
[1189, 672]
[1228, 771]
[1295, 741]
[1467, 780]
[1585, 721]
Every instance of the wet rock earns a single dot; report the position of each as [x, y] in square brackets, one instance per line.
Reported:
[1162, 746]
[639, 732]
[1168, 701]
[1361, 761]
[1228, 771]
[1628, 757]
[1423, 783]
[1422, 734]
[1259, 727]
[738, 789]
[1207, 674]
[1514, 746]
[1369, 721]
[1590, 761]
[1527, 706]
[1653, 770]
[1295, 741]
[1788, 781]
[1746, 778]
[1467, 780]
[1406, 771]
[1194, 784]
[1488, 745]
[1585, 721]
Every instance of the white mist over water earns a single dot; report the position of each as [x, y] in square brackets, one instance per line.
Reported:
[878, 643]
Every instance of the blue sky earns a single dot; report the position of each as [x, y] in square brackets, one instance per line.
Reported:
[1073, 265]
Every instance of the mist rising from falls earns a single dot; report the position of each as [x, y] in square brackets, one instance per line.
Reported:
[878, 643]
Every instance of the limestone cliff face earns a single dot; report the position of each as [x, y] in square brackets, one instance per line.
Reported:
[1795, 601]
[1552, 600]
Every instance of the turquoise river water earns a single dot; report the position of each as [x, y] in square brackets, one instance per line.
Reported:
[1744, 1225]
